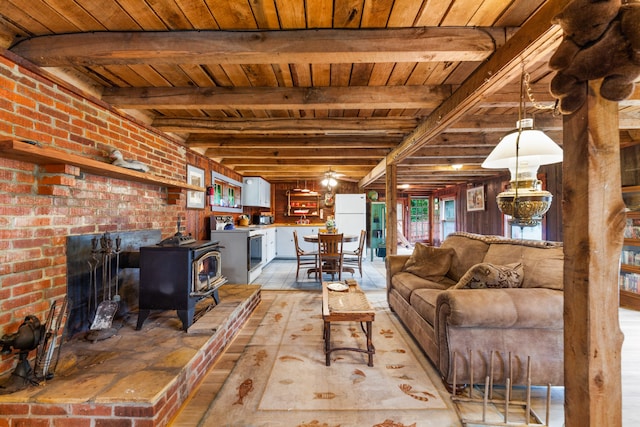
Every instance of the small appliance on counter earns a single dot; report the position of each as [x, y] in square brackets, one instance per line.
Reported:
[263, 218]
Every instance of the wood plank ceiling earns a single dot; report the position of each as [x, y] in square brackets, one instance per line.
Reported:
[287, 89]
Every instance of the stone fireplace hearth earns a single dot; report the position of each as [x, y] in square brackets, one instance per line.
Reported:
[140, 378]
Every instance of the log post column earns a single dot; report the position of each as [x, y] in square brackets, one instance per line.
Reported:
[391, 198]
[593, 222]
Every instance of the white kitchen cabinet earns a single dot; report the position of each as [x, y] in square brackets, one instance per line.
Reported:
[270, 238]
[256, 192]
[284, 240]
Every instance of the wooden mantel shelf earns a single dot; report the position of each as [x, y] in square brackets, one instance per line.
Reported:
[33, 153]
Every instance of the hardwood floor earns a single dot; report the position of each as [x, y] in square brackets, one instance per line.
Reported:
[280, 275]
[630, 325]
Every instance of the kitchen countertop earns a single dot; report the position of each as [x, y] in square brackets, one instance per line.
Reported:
[263, 227]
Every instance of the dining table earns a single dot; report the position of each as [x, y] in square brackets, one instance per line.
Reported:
[313, 238]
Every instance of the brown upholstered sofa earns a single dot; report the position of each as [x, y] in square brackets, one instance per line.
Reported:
[500, 324]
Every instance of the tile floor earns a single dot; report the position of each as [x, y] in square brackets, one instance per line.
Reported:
[281, 275]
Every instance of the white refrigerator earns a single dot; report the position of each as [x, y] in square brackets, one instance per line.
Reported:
[351, 216]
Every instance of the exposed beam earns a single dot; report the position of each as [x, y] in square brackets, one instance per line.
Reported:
[297, 153]
[536, 37]
[267, 141]
[277, 98]
[265, 162]
[502, 123]
[323, 126]
[452, 152]
[447, 161]
[507, 122]
[325, 46]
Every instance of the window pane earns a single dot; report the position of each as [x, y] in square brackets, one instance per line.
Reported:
[419, 219]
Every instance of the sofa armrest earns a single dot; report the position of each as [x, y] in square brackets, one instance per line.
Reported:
[500, 308]
[394, 264]
[525, 321]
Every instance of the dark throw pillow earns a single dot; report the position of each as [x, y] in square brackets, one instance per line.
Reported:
[429, 262]
[486, 275]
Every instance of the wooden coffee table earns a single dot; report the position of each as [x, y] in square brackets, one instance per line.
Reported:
[347, 306]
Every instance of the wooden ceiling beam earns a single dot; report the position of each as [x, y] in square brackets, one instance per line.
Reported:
[506, 98]
[503, 123]
[317, 126]
[277, 98]
[473, 162]
[296, 153]
[271, 161]
[324, 46]
[252, 141]
[441, 151]
[537, 37]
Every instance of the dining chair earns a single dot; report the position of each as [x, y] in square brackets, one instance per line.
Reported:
[330, 254]
[305, 258]
[354, 258]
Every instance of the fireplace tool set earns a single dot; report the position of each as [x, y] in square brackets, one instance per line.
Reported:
[101, 327]
[31, 335]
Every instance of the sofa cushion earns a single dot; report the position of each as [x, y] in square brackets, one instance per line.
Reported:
[424, 302]
[405, 283]
[487, 275]
[429, 262]
[543, 262]
[468, 251]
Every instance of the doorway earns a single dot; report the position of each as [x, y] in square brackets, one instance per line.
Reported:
[448, 217]
[419, 219]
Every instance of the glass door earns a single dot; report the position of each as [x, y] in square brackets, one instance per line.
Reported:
[448, 217]
[419, 219]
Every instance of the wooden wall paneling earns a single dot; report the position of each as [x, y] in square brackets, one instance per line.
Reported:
[553, 218]
[630, 165]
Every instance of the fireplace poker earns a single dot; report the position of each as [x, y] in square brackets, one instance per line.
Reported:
[93, 275]
[117, 252]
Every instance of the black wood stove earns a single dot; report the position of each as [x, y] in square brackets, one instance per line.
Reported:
[177, 273]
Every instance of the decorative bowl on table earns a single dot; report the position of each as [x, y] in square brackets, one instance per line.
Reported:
[337, 287]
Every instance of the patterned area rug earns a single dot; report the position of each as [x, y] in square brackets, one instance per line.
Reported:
[282, 380]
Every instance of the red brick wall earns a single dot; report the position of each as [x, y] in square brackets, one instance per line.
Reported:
[40, 206]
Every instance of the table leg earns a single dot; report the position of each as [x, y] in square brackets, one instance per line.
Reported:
[327, 342]
[370, 348]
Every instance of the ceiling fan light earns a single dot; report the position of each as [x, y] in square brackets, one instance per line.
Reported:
[329, 180]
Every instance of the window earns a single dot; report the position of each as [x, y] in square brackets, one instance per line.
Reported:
[517, 232]
[419, 219]
[448, 219]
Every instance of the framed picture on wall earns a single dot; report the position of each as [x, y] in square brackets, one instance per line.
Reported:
[195, 176]
[475, 199]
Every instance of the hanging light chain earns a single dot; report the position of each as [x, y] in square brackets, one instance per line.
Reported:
[537, 105]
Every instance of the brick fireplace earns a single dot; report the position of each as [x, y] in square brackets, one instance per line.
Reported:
[137, 378]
